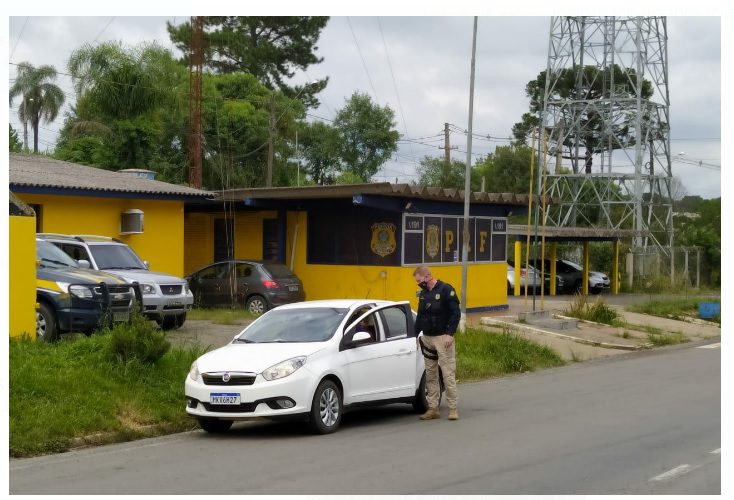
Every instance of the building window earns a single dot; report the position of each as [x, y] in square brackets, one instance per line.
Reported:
[436, 239]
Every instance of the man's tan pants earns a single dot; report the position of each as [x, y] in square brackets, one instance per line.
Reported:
[447, 361]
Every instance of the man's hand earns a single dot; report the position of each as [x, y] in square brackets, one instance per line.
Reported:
[448, 340]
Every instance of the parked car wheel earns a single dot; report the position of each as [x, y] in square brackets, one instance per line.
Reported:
[46, 328]
[326, 408]
[214, 425]
[172, 322]
[420, 403]
[256, 305]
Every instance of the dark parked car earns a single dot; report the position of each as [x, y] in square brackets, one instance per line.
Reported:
[568, 278]
[258, 286]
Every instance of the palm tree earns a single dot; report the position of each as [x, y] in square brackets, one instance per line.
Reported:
[41, 99]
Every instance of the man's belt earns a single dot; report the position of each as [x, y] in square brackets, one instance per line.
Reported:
[427, 351]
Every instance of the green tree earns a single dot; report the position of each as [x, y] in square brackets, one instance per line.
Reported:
[320, 151]
[14, 143]
[594, 139]
[703, 231]
[41, 100]
[366, 135]
[507, 169]
[270, 48]
[125, 99]
[436, 172]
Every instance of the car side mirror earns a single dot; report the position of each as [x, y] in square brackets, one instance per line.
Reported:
[84, 264]
[361, 337]
[146, 264]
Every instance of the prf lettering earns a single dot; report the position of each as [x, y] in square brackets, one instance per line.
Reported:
[482, 238]
[449, 239]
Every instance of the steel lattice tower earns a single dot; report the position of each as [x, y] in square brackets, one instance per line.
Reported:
[606, 91]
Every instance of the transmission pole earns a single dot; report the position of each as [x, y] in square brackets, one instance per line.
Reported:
[271, 137]
[196, 64]
[446, 145]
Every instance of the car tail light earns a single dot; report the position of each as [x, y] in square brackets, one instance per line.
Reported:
[270, 284]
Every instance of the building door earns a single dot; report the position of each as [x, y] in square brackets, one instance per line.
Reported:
[223, 239]
[270, 239]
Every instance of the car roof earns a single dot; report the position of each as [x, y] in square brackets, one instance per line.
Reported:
[336, 303]
[86, 238]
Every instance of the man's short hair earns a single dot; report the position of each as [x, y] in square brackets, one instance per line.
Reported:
[422, 270]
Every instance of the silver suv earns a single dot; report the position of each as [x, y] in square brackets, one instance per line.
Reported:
[166, 298]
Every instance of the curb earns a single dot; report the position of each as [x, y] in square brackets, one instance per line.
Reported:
[605, 345]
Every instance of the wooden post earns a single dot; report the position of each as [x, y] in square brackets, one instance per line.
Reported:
[615, 268]
[585, 275]
[553, 248]
[518, 265]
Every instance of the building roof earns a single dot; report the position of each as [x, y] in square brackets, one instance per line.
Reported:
[33, 173]
[378, 188]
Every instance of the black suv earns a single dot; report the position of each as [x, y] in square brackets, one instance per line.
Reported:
[71, 299]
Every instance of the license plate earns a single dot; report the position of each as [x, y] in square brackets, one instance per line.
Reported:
[293, 288]
[176, 303]
[224, 398]
[121, 316]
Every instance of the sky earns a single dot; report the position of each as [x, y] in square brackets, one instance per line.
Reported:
[420, 67]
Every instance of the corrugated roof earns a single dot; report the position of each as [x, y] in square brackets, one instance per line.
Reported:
[377, 188]
[40, 171]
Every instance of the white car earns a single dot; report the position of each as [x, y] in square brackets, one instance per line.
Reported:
[598, 281]
[312, 361]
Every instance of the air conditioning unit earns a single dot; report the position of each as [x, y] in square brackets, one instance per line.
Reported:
[131, 221]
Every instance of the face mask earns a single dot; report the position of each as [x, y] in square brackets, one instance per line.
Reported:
[423, 285]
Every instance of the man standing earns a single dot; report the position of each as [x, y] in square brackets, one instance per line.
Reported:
[438, 317]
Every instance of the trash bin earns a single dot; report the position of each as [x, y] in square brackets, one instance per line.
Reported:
[709, 310]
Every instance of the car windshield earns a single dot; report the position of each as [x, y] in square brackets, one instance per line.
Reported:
[115, 257]
[278, 271]
[573, 265]
[313, 324]
[52, 256]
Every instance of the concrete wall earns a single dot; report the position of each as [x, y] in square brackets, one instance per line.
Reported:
[161, 243]
[22, 276]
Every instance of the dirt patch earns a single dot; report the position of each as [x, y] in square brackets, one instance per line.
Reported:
[204, 333]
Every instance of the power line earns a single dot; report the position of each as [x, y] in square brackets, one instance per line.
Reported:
[394, 83]
[356, 43]
[104, 29]
[19, 37]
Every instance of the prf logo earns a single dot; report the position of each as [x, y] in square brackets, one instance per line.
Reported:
[383, 238]
[432, 240]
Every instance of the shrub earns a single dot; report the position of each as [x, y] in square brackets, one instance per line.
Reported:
[598, 312]
[137, 340]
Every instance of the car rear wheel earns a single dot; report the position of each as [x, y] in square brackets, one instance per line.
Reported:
[172, 322]
[256, 305]
[46, 328]
[214, 425]
[326, 408]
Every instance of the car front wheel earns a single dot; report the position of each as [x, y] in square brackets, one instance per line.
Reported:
[46, 328]
[214, 425]
[326, 408]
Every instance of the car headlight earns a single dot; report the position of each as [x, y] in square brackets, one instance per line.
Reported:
[284, 368]
[194, 372]
[147, 289]
[186, 287]
[80, 291]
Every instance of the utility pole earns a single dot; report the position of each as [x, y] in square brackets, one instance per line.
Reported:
[195, 70]
[271, 137]
[467, 186]
[446, 145]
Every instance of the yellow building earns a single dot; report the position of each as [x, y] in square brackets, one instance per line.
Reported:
[359, 241]
[128, 205]
[22, 272]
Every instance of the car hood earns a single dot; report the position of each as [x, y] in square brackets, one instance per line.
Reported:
[598, 274]
[143, 276]
[254, 358]
[78, 276]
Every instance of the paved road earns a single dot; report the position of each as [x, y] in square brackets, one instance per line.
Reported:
[640, 423]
